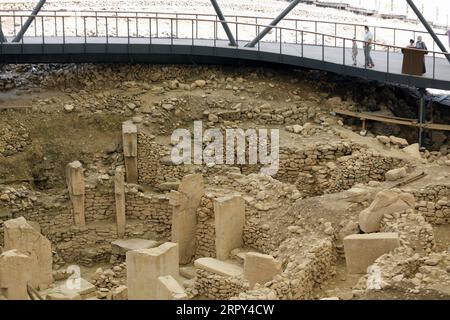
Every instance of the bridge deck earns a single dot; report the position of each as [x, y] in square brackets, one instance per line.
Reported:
[333, 59]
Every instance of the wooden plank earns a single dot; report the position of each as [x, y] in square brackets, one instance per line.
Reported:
[394, 120]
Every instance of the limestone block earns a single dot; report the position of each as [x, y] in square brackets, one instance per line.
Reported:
[413, 150]
[178, 199]
[398, 141]
[395, 174]
[119, 195]
[63, 296]
[169, 289]
[260, 268]
[357, 195]
[72, 289]
[361, 250]
[122, 246]
[15, 274]
[384, 139]
[76, 187]
[119, 293]
[219, 267]
[385, 202]
[144, 266]
[229, 219]
[26, 239]
[185, 202]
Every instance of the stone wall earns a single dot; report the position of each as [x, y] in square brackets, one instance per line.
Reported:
[256, 234]
[99, 202]
[361, 167]
[432, 193]
[218, 287]
[303, 271]
[7, 82]
[14, 138]
[206, 232]
[433, 203]
[148, 216]
[301, 275]
[436, 213]
[412, 228]
[148, 159]
[92, 243]
[152, 209]
[293, 160]
[315, 169]
[50, 211]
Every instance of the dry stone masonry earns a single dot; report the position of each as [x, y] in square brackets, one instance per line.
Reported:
[342, 209]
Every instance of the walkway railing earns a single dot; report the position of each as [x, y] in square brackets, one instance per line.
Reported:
[107, 29]
[382, 34]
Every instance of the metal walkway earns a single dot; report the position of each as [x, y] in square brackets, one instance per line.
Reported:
[106, 38]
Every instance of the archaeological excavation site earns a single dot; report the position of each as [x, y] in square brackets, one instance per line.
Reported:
[206, 181]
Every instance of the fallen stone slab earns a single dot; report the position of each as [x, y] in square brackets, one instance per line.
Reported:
[20, 235]
[385, 202]
[395, 174]
[413, 150]
[361, 250]
[121, 246]
[71, 288]
[169, 289]
[399, 141]
[219, 267]
[63, 295]
[260, 268]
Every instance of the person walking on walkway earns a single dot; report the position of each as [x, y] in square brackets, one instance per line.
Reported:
[368, 39]
[422, 46]
[448, 35]
[355, 52]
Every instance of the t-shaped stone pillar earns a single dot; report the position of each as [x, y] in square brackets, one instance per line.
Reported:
[129, 139]
[144, 266]
[229, 219]
[75, 184]
[22, 236]
[185, 202]
[15, 274]
[119, 194]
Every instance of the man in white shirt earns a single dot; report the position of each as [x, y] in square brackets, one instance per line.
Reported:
[448, 34]
[368, 39]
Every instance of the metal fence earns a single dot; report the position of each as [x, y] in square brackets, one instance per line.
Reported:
[382, 34]
[137, 28]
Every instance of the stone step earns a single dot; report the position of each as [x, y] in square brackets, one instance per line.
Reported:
[227, 269]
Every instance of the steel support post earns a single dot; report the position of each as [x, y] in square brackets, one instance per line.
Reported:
[421, 116]
[225, 26]
[30, 19]
[275, 21]
[428, 27]
[2, 37]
